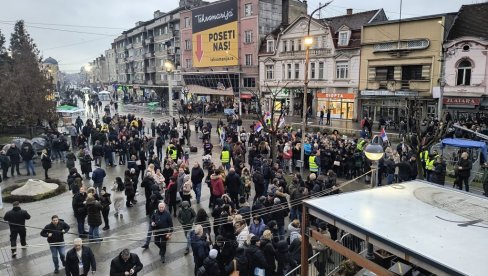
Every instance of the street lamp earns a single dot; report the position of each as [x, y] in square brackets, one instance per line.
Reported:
[308, 42]
[169, 67]
[374, 152]
[441, 77]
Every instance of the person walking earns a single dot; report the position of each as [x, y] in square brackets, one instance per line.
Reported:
[46, 162]
[94, 217]
[186, 217]
[79, 210]
[5, 164]
[27, 153]
[197, 175]
[16, 221]
[162, 224]
[80, 260]
[70, 160]
[97, 176]
[54, 232]
[464, 166]
[118, 196]
[125, 263]
[14, 154]
[199, 245]
[106, 202]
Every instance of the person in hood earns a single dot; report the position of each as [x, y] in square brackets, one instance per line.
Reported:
[285, 260]
[255, 256]
[125, 263]
[210, 266]
[240, 263]
[54, 232]
[186, 217]
[16, 221]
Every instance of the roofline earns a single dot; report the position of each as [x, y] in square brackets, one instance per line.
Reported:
[144, 23]
[426, 17]
[375, 15]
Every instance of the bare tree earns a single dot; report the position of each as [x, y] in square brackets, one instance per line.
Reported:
[420, 140]
[275, 123]
[186, 113]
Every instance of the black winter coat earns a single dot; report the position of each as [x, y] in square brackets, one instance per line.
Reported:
[233, 183]
[93, 211]
[79, 205]
[57, 231]
[17, 218]
[211, 267]
[14, 154]
[118, 266]
[87, 258]
[256, 258]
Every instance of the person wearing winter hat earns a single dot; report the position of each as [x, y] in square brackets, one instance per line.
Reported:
[210, 265]
[186, 189]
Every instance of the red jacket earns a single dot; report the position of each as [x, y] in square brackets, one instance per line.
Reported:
[217, 186]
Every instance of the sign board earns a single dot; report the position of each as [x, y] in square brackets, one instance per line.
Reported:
[461, 101]
[335, 96]
[215, 37]
[389, 93]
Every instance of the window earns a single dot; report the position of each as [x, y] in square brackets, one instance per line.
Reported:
[249, 82]
[297, 70]
[343, 38]
[188, 63]
[270, 46]
[299, 45]
[248, 59]
[464, 73]
[187, 22]
[269, 72]
[248, 36]
[285, 46]
[292, 45]
[385, 73]
[321, 70]
[312, 70]
[288, 67]
[342, 70]
[412, 72]
[187, 44]
[248, 9]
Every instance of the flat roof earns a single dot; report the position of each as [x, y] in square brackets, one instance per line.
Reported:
[440, 229]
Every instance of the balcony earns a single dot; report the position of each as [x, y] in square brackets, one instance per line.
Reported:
[149, 40]
[314, 53]
[149, 55]
[397, 85]
[151, 69]
[129, 46]
[150, 82]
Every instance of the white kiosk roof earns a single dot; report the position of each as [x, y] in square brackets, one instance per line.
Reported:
[442, 230]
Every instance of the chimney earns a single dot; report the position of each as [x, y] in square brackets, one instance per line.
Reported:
[349, 11]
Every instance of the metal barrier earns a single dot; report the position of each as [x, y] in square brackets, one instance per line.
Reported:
[326, 262]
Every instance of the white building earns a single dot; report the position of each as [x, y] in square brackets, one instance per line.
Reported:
[334, 63]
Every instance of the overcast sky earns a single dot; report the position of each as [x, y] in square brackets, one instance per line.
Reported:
[75, 32]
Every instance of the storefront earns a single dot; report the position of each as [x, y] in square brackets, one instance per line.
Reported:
[341, 105]
[462, 107]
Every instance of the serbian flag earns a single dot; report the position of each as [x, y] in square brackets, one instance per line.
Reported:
[383, 135]
[267, 116]
[258, 126]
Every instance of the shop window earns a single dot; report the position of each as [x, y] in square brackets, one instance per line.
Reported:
[297, 71]
[321, 70]
[249, 82]
[412, 72]
[464, 73]
[342, 70]
[269, 72]
[385, 73]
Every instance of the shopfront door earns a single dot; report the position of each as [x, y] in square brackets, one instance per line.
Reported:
[347, 110]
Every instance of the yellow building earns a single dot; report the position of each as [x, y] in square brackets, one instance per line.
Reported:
[400, 67]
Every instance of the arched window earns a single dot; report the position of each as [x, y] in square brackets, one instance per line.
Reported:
[464, 73]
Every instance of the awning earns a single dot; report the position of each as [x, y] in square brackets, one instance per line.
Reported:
[246, 96]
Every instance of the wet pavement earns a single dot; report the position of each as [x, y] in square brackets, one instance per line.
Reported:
[127, 232]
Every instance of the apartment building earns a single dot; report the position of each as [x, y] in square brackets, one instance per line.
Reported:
[333, 68]
[400, 67]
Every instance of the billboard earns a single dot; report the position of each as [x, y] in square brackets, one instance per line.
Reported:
[215, 38]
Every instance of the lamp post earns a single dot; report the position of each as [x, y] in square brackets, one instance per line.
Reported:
[308, 42]
[374, 152]
[169, 67]
[442, 82]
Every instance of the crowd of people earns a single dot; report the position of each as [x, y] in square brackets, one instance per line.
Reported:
[254, 235]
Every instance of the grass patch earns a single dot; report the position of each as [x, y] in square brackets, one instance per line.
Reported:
[9, 198]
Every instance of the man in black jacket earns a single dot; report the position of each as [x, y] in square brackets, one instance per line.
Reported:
[233, 184]
[197, 175]
[79, 210]
[162, 225]
[125, 264]
[27, 153]
[54, 232]
[16, 219]
[80, 256]
[14, 154]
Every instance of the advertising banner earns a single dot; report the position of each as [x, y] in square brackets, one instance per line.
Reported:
[215, 36]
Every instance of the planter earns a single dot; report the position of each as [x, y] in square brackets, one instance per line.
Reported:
[9, 198]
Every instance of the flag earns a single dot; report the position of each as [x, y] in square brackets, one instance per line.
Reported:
[383, 135]
[267, 116]
[282, 122]
[258, 126]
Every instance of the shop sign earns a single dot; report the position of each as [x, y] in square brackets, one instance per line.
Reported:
[335, 95]
[461, 101]
[388, 93]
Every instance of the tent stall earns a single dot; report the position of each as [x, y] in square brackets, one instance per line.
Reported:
[68, 114]
[426, 227]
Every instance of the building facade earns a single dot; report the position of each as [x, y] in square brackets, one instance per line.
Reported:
[334, 64]
[51, 67]
[400, 67]
[220, 57]
[465, 90]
